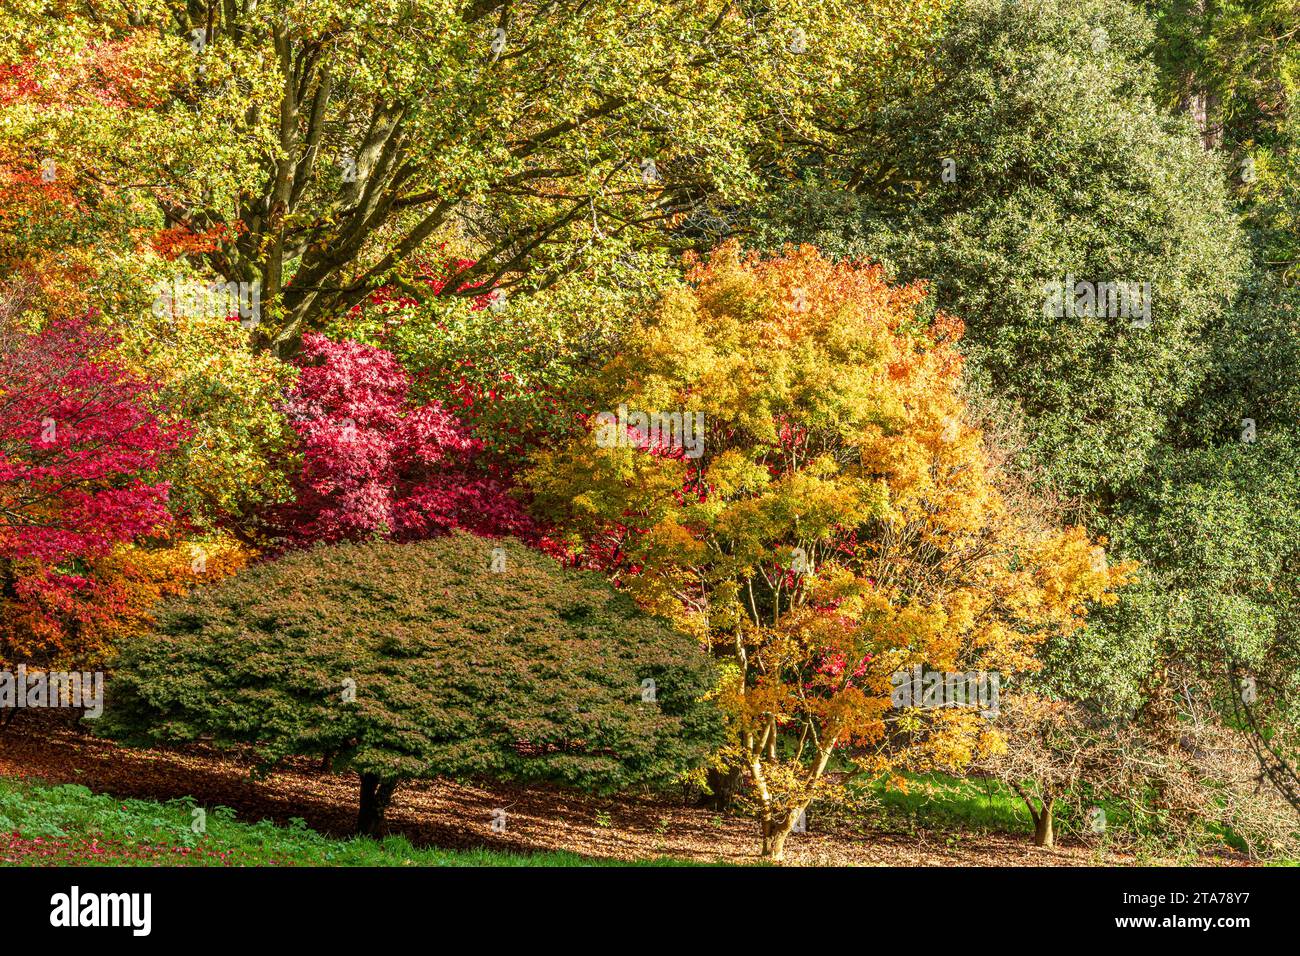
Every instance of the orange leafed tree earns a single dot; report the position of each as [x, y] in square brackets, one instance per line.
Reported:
[839, 519]
[78, 620]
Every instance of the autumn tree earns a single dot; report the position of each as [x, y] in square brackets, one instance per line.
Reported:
[513, 369]
[80, 618]
[459, 657]
[375, 463]
[333, 141]
[84, 336]
[838, 521]
[237, 458]
[988, 183]
[73, 243]
[79, 448]
[67, 231]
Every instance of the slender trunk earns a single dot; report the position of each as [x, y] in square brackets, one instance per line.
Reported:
[766, 818]
[1044, 832]
[768, 823]
[376, 795]
[777, 827]
[1199, 101]
[778, 844]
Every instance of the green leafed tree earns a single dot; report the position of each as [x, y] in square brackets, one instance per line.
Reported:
[334, 146]
[1208, 628]
[461, 657]
[1038, 157]
[1231, 64]
[1219, 524]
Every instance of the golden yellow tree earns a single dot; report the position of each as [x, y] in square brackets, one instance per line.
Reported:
[786, 466]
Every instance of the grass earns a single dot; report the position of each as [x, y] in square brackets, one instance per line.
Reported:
[68, 825]
[940, 801]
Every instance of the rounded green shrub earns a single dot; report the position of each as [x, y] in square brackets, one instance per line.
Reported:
[459, 657]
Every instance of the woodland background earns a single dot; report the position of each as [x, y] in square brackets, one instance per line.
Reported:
[827, 226]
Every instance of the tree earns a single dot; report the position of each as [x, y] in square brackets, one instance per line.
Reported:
[1062, 754]
[79, 446]
[237, 458]
[990, 184]
[420, 660]
[334, 140]
[1272, 201]
[512, 369]
[1228, 64]
[1218, 525]
[1232, 67]
[836, 518]
[1204, 637]
[73, 243]
[1043, 761]
[79, 618]
[373, 463]
[67, 231]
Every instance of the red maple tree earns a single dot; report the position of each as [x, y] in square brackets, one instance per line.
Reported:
[79, 445]
[375, 463]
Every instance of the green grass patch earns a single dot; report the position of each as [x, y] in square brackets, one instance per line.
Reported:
[939, 801]
[68, 825]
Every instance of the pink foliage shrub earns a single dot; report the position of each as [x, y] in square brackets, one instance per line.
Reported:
[374, 464]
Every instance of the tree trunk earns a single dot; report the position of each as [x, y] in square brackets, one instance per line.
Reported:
[1044, 833]
[778, 845]
[376, 795]
[1201, 105]
[768, 825]
[775, 830]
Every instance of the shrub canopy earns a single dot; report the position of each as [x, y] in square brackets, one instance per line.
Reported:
[418, 660]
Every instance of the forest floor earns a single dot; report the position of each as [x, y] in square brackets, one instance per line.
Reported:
[453, 815]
